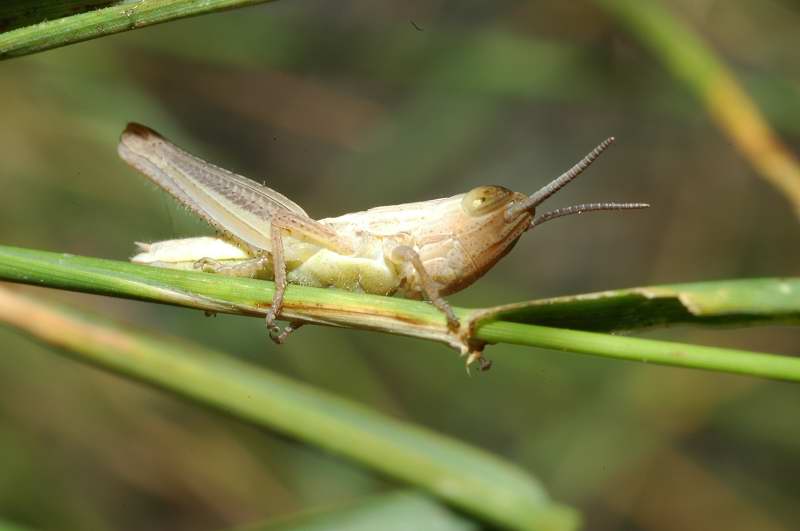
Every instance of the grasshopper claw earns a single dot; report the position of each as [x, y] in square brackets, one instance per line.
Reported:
[274, 330]
[469, 347]
[473, 356]
[279, 337]
[477, 355]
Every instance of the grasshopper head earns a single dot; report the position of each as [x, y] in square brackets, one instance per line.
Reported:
[483, 231]
[495, 217]
[487, 233]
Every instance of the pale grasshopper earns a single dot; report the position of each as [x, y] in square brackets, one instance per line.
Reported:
[418, 250]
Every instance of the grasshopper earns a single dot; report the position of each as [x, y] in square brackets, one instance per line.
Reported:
[427, 249]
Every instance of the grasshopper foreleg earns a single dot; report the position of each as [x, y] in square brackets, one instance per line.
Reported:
[279, 268]
[304, 229]
[250, 268]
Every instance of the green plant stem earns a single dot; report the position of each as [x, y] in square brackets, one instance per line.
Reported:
[406, 317]
[123, 16]
[646, 350]
[472, 479]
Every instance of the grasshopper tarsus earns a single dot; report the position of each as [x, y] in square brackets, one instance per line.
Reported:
[288, 329]
[244, 268]
[484, 364]
[277, 335]
[273, 330]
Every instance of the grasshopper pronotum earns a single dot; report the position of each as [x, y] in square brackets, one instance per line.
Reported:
[418, 250]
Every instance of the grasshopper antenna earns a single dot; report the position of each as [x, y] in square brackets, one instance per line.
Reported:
[580, 209]
[557, 184]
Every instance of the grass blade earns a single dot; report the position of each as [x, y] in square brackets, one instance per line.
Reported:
[724, 302]
[122, 16]
[467, 477]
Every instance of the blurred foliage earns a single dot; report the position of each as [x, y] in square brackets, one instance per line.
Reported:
[352, 104]
[694, 63]
[397, 511]
[482, 484]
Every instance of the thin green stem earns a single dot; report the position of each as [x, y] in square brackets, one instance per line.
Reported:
[645, 350]
[121, 17]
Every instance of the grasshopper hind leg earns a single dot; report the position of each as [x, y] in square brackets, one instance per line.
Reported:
[462, 332]
[251, 268]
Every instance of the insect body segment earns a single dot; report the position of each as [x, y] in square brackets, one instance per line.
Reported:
[419, 250]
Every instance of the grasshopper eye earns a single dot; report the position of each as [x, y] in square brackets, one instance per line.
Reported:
[484, 199]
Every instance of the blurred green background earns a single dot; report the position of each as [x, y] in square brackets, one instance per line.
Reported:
[346, 105]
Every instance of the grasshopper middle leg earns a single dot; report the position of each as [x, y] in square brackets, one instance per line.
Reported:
[404, 253]
[469, 347]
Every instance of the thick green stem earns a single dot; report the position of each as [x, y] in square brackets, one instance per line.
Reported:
[760, 297]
